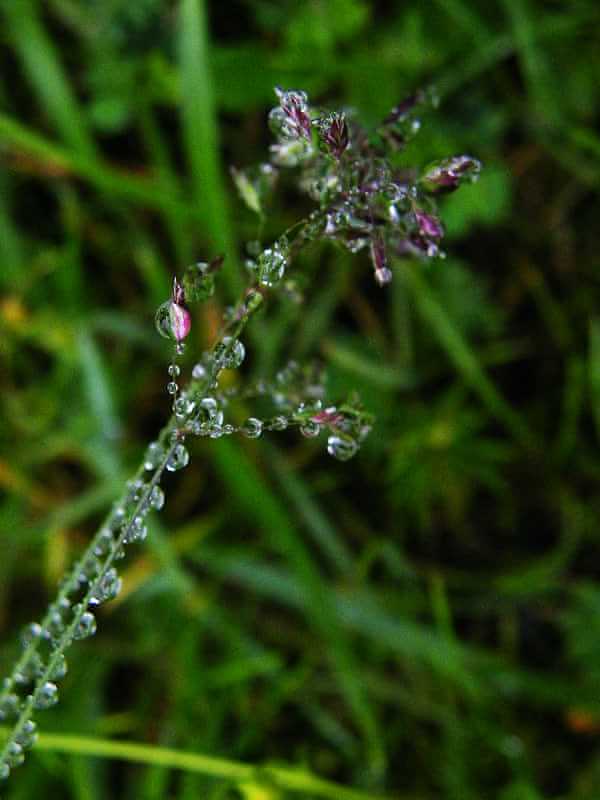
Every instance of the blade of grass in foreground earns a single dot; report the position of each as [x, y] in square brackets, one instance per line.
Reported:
[238, 773]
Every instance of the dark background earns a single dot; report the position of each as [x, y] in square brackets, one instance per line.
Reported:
[456, 558]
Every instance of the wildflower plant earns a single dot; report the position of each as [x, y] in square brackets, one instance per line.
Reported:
[366, 198]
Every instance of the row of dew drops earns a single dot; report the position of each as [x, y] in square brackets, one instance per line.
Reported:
[93, 583]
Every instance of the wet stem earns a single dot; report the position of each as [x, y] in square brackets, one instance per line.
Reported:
[68, 634]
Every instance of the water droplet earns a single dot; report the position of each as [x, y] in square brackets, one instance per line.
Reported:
[183, 408]
[107, 588]
[252, 428]
[199, 372]
[278, 423]
[178, 459]
[14, 754]
[172, 321]
[31, 633]
[46, 696]
[310, 429]
[27, 736]
[59, 669]
[253, 300]
[104, 542]
[172, 387]
[209, 411]
[86, 626]
[90, 569]
[9, 706]
[56, 624]
[134, 492]
[199, 280]
[173, 370]
[136, 530]
[30, 670]
[341, 447]
[230, 353]
[116, 518]
[271, 265]
[154, 456]
[157, 498]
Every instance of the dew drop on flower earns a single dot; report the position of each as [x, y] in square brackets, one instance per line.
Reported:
[271, 265]
[137, 530]
[9, 706]
[183, 408]
[31, 633]
[55, 625]
[59, 670]
[199, 372]
[252, 428]
[178, 459]
[232, 353]
[14, 754]
[172, 321]
[30, 670]
[278, 423]
[154, 456]
[46, 696]
[86, 626]
[341, 447]
[107, 588]
[310, 429]
[157, 498]
[104, 542]
[27, 736]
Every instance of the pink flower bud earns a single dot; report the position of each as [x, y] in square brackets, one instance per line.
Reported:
[181, 321]
[429, 225]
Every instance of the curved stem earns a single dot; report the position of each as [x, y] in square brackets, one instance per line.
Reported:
[68, 635]
[285, 778]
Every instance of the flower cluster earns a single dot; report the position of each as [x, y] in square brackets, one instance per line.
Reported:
[365, 200]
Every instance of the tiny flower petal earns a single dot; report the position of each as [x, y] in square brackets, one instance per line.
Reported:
[181, 321]
[429, 225]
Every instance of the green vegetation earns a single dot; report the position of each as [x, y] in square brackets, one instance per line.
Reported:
[422, 622]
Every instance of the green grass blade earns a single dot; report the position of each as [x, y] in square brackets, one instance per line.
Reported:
[286, 778]
[200, 136]
[47, 76]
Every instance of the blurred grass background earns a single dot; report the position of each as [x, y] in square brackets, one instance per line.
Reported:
[423, 622]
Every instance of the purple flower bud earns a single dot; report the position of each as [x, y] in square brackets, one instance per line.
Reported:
[383, 274]
[173, 321]
[403, 108]
[334, 132]
[295, 120]
[447, 175]
[329, 416]
[429, 225]
[181, 321]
